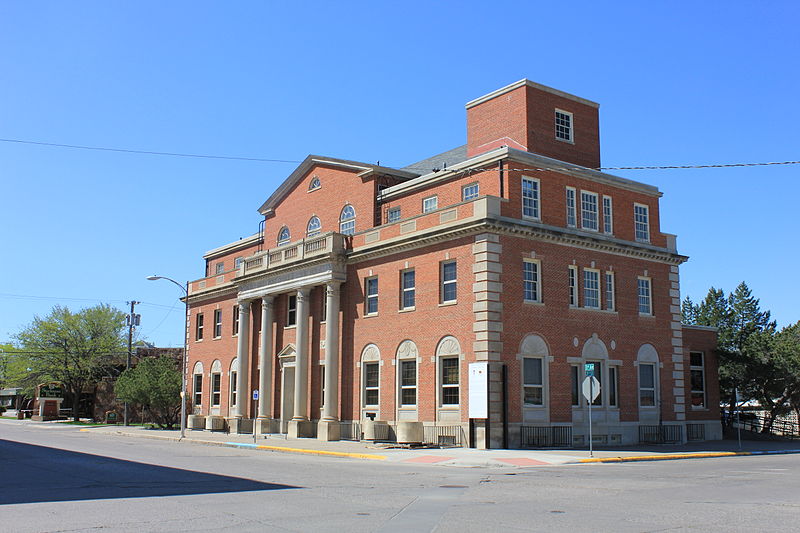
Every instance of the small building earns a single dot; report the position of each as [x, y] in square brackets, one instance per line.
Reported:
[375, 292]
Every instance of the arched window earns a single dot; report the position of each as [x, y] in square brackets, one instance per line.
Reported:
[284, 236]
[347, 220]
[534, 354]
[448, 358]
[314, 184]
[197, 387]
[647, 361]
[313, 227]
[216, 383]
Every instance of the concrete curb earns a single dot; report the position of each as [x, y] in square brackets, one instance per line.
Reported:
[678, 456]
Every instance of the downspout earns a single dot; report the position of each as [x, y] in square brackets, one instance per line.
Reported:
[502, 180]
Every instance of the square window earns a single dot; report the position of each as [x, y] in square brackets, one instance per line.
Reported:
[430, 204]
[530, 198]
[220, 268]
[393, 215]
[469, 192]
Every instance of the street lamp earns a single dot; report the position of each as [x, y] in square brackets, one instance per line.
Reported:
[185, 290]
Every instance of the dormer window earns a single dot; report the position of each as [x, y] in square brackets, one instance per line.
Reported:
[563, 125]
[284, 236]
[347, 220]
[314, 185]
[313, 227]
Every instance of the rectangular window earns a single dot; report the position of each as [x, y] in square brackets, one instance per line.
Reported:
[533, 381]
[641, 220]
[647, 385]
[291, 310]
[530, 198]
[233, 386]
[371, 291]
[469, 192]
[449, 366]
[589, 210]
[645, 301]
[698, 379]
[573, 285]
[220, 268]
[408, 383]
[198, 389]
[430, 204]
[610, 291]
[238, 262]
[216, 384]
[530, 281]
[235, 319]
[371, 383]
[408, 288]
[198, 327]
[217, 323]
[449, 287]
[613, 386]
[323, 314]
[571, 217]
[591, 288]
[608, 218]
[576, 399]
[563, 125]
[393, 215]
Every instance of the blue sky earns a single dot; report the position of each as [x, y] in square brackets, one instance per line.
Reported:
[678, 83]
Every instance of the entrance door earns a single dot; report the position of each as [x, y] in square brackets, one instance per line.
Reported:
[287, 397]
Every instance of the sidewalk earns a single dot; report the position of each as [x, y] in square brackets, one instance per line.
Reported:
[458, 457]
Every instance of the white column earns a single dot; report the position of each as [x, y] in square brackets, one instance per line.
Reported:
[331, 407]
[301, 357]
[265, 360]
[243, 356]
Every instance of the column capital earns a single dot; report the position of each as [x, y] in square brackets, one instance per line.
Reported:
[244, 306]
[303, 293]
[267, 302]
[333, 287]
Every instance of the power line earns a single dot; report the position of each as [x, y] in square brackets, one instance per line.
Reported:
[64, 298]
[270, 160]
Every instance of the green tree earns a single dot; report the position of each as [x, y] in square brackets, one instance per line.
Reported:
[76, 349]
[155, 384]
[688, 311]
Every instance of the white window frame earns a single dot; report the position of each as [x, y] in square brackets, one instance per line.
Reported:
[443, 386]
[197, 395]
[645, 297]
[217, 323]
[393, 214]
[702, 369]
[404, 290]
[540, 386]
[347, 222]
[589, 216]
[237, 262]
[531, 204]
[431, 203]
[314, 230]
[470, 191]
[199, 323]
[587, 290]
[608, 215]
[314, 184]
[219, 268]
[445, 284]
[235, 321]
[572, 284]
[232, 388]
[284, 236]
[564, 132]
[572, 213]
[366, 387]
[611, 291]
[534, 284]
[216, 389]
[370, 296]
[641, 222]
[291, 310]
[400, 383]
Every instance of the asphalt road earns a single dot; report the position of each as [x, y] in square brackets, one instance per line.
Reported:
[60, 479]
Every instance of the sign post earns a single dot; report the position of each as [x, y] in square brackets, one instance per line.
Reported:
[255, 398]
[591, 390]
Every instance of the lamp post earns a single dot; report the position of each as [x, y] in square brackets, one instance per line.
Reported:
[185, 290]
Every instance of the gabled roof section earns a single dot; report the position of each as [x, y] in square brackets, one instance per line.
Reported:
[312, 160]
[440, 161]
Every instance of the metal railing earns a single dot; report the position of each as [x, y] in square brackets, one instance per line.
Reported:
[449, 436]
[660, 434]
[350, 431]
[546, 436]
[695, 432]
[785, 427]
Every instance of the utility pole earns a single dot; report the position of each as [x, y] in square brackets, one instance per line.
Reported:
[133, 320]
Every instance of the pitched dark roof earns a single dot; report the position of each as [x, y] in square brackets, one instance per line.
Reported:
[440, 161]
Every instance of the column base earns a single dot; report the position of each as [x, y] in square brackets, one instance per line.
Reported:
[300, 429]
[240, 425]
[328, 430]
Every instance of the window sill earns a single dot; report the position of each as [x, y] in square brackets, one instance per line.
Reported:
[369, 315]
[290, 327]
[532, 219]
[447, 304]
[646, 315]
[450, 407]
[534, 407]
[216, 338]
[568, 141]
[533, 302]
[593, 309]
[407, 310]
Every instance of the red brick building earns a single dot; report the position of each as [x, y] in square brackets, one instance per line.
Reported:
[397, 292]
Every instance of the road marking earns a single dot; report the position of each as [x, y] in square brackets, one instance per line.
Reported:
[523, 461]
[428, 459]
[309, 452]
